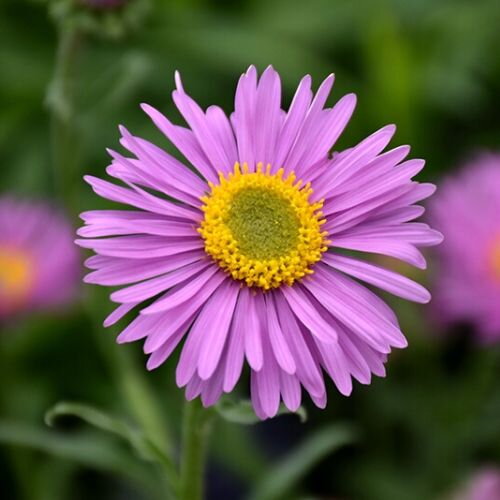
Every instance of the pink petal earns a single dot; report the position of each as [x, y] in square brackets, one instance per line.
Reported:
[236, 345]
[254, 328]
[140, 246]
[200, 126]
[159, 356]
[278, 343]
[220, 309]
[325, 135]
[402, 251]
[223, 131]
[118, 314]
[114, 271]
[183, 293]
[185, 141]
[267, 383]
[293, 121]
[243, 117]
[139, 199]
[290, 391]
[354, 159]
[303, 137]
[378, 276]
[149, 288]
[267, 109]
[308, 315]
[307, 368]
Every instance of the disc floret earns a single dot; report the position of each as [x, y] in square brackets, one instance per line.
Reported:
[261, 227]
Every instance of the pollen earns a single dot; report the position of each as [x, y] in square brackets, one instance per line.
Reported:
[16, 275]
[261, 228]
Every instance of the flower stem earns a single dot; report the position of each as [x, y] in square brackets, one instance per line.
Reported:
[196, 429]
[60, 100]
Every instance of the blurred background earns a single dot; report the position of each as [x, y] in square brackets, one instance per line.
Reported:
[431, 67]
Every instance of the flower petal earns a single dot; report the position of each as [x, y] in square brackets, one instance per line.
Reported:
[267, 109]
[244, 115]
[197, 290]
[220, 309]
[254, 327]
[307, 314]
[114, 271]
[378, 276]
[185, 141]
[293, 121]
[278, 343]
[152, 287]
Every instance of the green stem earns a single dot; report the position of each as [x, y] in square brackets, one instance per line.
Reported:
[196, 429]
[60, 100]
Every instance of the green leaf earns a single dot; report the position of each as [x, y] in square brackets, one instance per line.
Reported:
[282, 478]
[84, 448]
[242, 412]
[140, 443]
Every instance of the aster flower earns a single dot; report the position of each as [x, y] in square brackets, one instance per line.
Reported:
[239, 252]
[467, 284]
[39, 264]
[484, 485]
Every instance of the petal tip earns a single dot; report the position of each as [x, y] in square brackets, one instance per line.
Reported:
[252, 70]
[178, 81]
[390, 129]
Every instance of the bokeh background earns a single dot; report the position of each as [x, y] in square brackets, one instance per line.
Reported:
[431, 67]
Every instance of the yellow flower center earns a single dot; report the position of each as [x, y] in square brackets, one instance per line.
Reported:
[261, 228]
[16, 273]
[495, 258]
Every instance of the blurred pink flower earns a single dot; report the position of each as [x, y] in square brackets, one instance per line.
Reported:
[484, 485]
[467, 211]
[39, 264]
[243, 259]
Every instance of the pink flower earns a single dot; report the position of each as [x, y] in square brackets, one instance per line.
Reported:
[485, 485]
[467, 211]
[239, 253]
[39, 265]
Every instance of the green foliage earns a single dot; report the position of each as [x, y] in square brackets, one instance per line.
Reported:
[143, 446]
[282, 479]
[85, 449]
[241, 412]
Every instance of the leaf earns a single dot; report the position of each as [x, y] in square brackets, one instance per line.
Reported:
[140, 443]
[283, 477]
[242, 412]
[83, 448]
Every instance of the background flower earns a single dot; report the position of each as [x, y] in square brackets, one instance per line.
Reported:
[467, 211]
[39, 265]
[484, 485]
